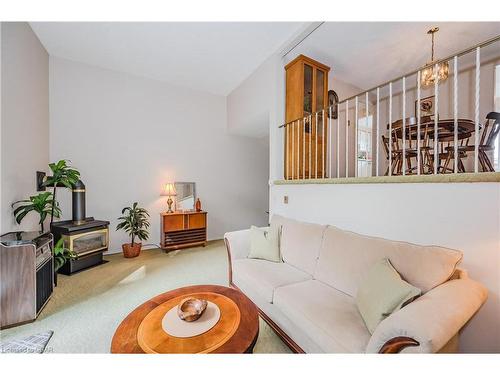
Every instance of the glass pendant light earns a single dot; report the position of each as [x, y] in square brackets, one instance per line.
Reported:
[430, 71]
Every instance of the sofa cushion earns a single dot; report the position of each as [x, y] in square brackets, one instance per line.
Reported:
[329, 317]
[300, 242]
[264, 243]
[345, 258]
[382, 292]
[263, 277]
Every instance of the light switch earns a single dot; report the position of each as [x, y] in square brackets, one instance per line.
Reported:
[285, 199]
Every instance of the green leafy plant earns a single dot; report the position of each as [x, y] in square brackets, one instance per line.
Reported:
[61, 255]
[135, 221]
[43, 204]
[62, 175]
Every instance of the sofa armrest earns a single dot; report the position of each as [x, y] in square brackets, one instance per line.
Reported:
[238, 243]
[431, 320]
[237, 246]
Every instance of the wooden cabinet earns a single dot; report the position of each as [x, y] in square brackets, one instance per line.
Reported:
[306, 95]
[183, 229]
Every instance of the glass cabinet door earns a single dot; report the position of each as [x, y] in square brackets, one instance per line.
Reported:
[320, 99]
[320, 89]
[308, 89]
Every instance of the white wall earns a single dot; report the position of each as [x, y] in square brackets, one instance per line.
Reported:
[461, 216]
[128, 135]
[248, 106]
[24, 119]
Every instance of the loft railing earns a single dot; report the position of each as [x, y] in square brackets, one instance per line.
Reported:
[423, 144]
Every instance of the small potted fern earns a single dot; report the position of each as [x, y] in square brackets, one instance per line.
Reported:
[135, 221]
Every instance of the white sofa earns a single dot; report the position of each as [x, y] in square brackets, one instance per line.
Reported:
[308, 299]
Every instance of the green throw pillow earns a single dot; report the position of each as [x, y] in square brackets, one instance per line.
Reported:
[264, 243]
[383, 292]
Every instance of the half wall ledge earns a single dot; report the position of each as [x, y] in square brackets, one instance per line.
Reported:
[409, 179]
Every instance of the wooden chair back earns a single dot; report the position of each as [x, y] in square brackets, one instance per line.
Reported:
[488, 138]
[385, 143]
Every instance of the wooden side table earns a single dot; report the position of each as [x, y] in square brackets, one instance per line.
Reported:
[183, 229]
[236, 331]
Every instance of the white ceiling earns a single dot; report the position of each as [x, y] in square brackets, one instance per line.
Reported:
[217, 56]
[366, 54]
[214, 57]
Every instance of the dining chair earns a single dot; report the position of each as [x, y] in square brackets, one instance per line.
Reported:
[395, 156]
[410, 151]
[489, 133]
[427, 147]
[445, 155]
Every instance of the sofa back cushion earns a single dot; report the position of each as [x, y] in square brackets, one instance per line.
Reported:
[300, 242]
[345, 258]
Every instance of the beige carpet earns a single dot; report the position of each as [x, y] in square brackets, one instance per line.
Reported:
[86, 308]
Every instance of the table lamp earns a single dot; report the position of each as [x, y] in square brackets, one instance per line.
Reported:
[169, 191]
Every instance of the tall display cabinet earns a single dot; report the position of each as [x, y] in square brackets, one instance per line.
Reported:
[306, 140]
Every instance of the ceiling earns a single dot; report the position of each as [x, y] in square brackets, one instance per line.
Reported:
[366, 54]
[208, 56]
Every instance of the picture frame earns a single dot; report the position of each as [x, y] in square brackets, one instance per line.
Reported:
[427, 106]
[333, 100]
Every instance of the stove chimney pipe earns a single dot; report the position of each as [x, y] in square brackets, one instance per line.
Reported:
[78, 201]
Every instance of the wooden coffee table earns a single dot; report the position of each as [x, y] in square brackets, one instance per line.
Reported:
[235, 332]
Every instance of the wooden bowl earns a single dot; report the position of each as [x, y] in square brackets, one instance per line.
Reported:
[190, 309]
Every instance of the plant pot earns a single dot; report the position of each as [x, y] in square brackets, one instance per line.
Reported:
[131, 251]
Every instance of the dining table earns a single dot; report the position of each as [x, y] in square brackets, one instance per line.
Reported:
[445, 127]
[445, 137]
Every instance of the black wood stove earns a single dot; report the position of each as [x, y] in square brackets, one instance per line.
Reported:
[85, 236]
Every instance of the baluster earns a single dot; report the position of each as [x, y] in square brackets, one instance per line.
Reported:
[436, 115]
[377, 143]
[293, 149]
[323, 140]
[366, 122]
[338, 140]
[476, 111]
[455, 114]
[287, 149]
[310, 145]
[418, 124]
[356, 137]
[404, 126]
[347, 138]
[330, 142]
[304, 148]
[390, 129]
[316, 146]
[297, 127]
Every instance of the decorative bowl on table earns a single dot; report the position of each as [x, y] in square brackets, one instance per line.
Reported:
[190, 309]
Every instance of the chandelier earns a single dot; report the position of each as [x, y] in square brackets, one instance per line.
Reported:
[431, 71]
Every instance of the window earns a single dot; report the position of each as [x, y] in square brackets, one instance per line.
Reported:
[364, 158]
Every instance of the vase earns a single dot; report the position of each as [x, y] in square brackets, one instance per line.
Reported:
[131, 251]
[197, 205]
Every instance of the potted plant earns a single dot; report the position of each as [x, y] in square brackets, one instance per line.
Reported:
[135, 221]
[43, 204]
[61, 256]
[62, 175]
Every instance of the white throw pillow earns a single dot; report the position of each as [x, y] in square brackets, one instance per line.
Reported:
[264, 243]
[382, 292]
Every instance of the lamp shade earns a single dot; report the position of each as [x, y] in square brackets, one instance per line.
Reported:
[168, 190]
